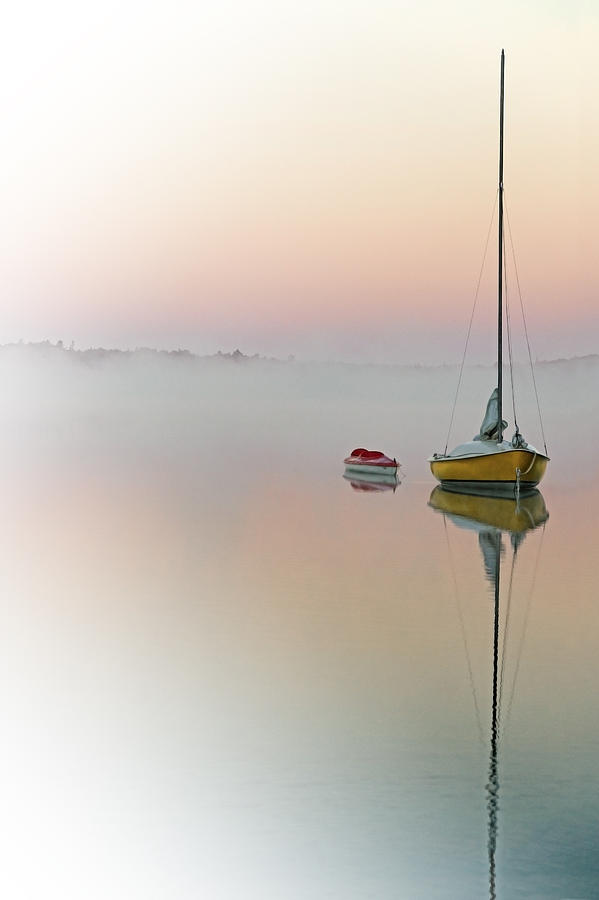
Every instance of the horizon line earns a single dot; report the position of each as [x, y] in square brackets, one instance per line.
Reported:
[239, 356]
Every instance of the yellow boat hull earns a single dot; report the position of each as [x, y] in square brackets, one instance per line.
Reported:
[491, 470]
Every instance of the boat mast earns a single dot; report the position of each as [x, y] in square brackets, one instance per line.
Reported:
[500, 269]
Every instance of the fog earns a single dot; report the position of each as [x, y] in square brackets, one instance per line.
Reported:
[232, 413]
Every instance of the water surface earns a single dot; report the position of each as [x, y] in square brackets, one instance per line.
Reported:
[229, 674]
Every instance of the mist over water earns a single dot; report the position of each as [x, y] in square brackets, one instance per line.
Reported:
[228, 674]
[147, 403]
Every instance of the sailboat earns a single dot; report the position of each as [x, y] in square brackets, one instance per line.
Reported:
[489, 462]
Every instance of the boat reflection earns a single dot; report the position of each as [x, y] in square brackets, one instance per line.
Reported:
[492, 517]
[367, 483]
[488, 512]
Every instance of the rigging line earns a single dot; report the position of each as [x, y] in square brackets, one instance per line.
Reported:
[456, 595]
[509, 342]
[480, 275]
[505, 631]
[524, 627]
[532, 370]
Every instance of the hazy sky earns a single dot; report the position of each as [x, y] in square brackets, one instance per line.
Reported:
[313, 178]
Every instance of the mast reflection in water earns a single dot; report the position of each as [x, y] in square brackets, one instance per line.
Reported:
[492, 517]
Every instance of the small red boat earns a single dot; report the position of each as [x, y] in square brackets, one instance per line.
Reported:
[371, 461]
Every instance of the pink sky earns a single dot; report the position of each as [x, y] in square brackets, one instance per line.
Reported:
[314, 180]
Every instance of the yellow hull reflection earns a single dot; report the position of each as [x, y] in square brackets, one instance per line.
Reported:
[492, 468]
[507, 515]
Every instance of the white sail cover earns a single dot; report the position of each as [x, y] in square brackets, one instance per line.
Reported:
[488, 429]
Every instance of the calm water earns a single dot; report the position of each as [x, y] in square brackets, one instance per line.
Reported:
[229, 674]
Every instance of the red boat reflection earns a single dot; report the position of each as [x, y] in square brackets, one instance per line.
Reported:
[371, 483]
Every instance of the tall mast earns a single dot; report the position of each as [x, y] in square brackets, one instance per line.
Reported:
[500, 268]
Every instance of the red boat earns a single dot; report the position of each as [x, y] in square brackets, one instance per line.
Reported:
[371, 461]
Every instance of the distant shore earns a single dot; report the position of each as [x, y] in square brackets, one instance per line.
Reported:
[47, 348]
